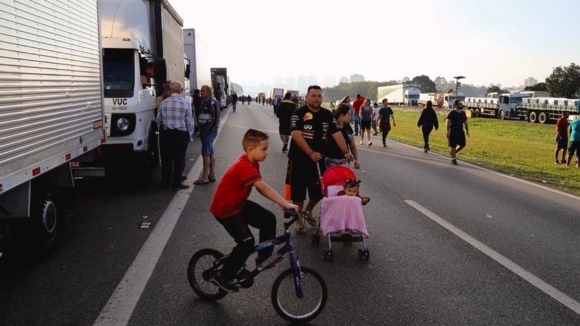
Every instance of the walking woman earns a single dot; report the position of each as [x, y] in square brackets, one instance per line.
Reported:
[333, 155]
[366, 118]
[427, 121]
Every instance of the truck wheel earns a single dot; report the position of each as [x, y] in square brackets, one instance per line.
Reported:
[47, 219]
[476, 112]
[502, 114]
[542, 118]
[532, 117]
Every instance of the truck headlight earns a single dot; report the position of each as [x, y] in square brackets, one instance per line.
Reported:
[123, 124]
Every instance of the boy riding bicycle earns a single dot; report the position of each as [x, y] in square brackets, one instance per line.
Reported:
[233, 210]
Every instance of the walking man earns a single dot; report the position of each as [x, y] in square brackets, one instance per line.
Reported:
[311, 125]
[284, 113]
[456, 119]
[356, 105]
[177, 120]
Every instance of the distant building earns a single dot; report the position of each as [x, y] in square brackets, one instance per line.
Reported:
[344, 80]
[530, 81]
[357, 78]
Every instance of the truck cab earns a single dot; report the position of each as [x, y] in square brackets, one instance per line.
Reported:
[142, 48]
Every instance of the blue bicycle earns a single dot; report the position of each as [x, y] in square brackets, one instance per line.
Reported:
[299, 293]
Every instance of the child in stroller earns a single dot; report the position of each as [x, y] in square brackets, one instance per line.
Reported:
[341, 217]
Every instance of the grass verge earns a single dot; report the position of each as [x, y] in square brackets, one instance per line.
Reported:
[516, 148]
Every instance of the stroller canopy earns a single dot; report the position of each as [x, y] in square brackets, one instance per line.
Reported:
[336, 176]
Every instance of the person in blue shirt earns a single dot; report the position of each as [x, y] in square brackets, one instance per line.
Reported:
[574, 145]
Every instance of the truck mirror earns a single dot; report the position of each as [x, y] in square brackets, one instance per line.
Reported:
[160, 74]
[187, 68]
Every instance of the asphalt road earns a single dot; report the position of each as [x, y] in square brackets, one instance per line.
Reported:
[449, 245]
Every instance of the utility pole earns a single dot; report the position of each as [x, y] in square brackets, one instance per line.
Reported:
[457, 78]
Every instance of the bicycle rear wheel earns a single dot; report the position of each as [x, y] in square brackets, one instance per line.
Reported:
[292, 308]
[199, 277]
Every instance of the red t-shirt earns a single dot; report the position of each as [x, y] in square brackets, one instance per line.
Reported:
[562, 127]
[235, 187]
[356, 104]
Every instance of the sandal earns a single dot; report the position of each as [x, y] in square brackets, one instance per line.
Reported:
[308, 217]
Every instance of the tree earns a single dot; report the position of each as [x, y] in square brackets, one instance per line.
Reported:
[537, 87]
[564, 81]
[495, 89]
[426, 85]
[440, 81]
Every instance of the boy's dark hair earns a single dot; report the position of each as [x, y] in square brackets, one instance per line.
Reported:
[287, 96]
[313, 87]
[253, 137]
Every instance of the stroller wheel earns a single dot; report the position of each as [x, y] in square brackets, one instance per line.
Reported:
[327, 255]
[363, 254]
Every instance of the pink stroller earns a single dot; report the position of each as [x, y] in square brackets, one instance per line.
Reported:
[339, 213]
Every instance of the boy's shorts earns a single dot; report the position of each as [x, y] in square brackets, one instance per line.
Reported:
[562, 143]
[304, 177]
[574, 147]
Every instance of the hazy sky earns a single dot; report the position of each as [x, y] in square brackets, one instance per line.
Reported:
[491, 41]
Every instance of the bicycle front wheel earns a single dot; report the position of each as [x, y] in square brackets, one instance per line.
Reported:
[292, 308]
[198, 275]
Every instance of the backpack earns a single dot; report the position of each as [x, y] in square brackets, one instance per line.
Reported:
[206, 116]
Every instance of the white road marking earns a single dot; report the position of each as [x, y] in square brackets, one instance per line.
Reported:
[532, 279]
[122, 303]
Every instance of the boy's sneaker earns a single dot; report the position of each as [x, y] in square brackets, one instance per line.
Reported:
[361, 142]
[454, 161]
[370, 143]
[285, 147]
[563, 161]
[224, 284]
[556, 162]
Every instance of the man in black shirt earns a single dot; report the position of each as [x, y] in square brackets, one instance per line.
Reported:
[310, 126]
[455, 135]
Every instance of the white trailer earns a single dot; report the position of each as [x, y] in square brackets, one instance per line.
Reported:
[547, 109]
[396, 93]
[51, 111]
[136, 33]
[198, 57]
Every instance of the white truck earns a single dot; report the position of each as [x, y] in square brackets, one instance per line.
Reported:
[412, 96]
[135, 34]
[503, 106]
[51, 112]
[398, 95]
[448, 99]
[198, 58]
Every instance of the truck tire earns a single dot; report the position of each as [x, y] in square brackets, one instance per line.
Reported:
[543, 118]
[502, 114]
[47, 218]
[477, 112]
[532, 117]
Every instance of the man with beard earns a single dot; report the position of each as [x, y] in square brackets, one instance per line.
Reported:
[310, 126]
